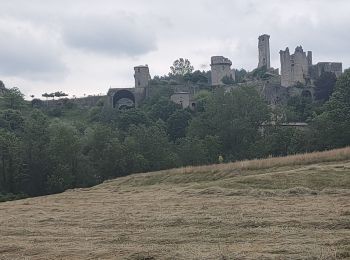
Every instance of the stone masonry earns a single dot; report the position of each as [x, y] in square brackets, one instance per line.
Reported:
[220, 68]
[295, 67]
[264, 51]
[319, 68]
[298, 68]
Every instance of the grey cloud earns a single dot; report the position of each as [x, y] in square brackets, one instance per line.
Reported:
[118, 35]
[26, 53]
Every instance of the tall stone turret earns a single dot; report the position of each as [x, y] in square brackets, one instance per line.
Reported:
[264, 51]
[295, 67]
[309, 58]
[142, 79]
[220, 68]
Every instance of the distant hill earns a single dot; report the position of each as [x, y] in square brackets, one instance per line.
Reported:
[294, 207]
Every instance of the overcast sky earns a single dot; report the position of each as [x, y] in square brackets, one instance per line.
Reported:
[86, 46]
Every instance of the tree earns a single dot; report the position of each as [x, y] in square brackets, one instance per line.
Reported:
[105, 152]
[177, 124]
[325, 86]
[36, 154]
[60, 94]
[197, 77]
[127, 118]
[46, 95]
[13, 98]
[235, 117]
[10, 160]
[333, 125]
[299, 109]
[228, 80]
[195, 151]
[181, 67]
[149, 149]
[64, 150]
[162, 109]
[240, 75]
[12, 120]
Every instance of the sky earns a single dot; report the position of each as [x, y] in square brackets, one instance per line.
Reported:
[84, 47]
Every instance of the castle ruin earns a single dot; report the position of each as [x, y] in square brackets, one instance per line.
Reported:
[264, 51]
[220, 68]
[130, 97]
[297, 68]
[319, 68]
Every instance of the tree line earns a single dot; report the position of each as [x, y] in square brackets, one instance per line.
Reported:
[43, 154]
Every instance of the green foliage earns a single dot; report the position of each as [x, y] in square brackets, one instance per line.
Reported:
[63, 148]
[177, 124]
[130, 117]
[201, 99]
[162, 109]
[324, 86]
[12, 120]
[10, 160]
[106, 153]
[149, 148]
[60, 94]
[53, 148]
[181, 67]
[13, 98]
[228, 80]
[197, 77]
[281, 140]
[235, 117]
[299, 109]
[259, 73]
[333, 125]
[240, 75]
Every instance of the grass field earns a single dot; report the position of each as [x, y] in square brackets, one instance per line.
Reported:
[294, 207]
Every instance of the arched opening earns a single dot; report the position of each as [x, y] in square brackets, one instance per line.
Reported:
[123, 99]
[306, 94]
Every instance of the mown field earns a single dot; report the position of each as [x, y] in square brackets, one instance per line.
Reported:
[294, 207]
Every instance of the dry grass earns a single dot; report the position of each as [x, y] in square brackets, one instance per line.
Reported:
[280, 208]
[258, 164]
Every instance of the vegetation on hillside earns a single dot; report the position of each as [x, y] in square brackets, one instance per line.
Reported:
[48, 149]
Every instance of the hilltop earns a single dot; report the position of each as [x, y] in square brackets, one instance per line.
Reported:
[294, 207]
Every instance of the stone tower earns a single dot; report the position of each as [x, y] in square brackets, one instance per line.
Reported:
[142, 78]
[295, 67]
[264, 51]
[220, 68]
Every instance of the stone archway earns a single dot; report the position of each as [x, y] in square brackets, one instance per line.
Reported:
[306, 94]
[123, 99]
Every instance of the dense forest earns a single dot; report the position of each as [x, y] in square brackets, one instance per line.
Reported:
[48, 149]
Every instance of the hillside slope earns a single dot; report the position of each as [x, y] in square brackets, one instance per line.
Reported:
[286, 208]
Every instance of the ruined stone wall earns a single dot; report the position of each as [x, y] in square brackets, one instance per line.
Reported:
[319, 68]
[295, 67]
[220, 67]
[264, 51]
[286, 69]
[2, 88]
[182, 98]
